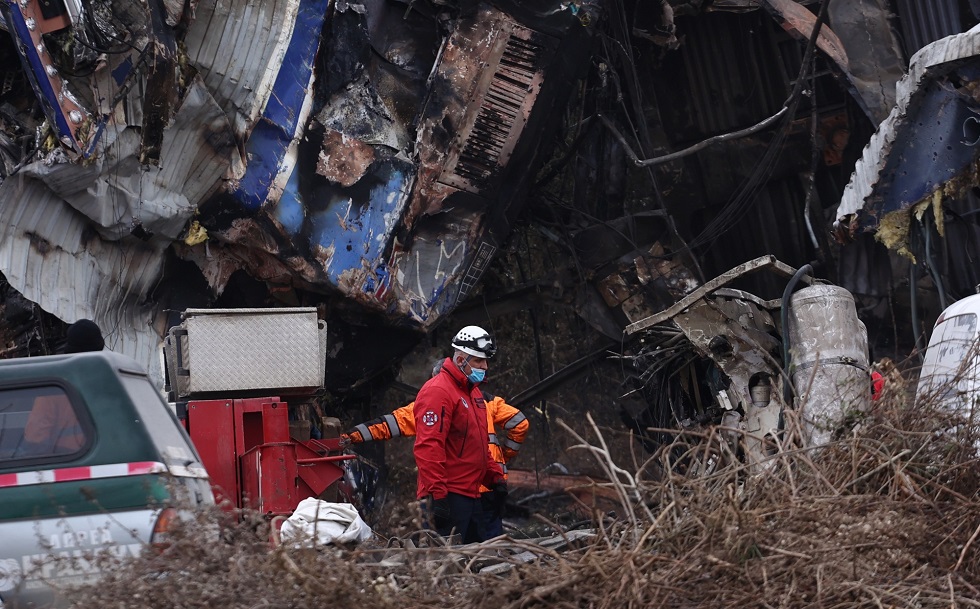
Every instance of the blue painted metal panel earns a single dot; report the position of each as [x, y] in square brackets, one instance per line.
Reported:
[345, 229]
[357, 223]
[929, 152]
[274, 132]
[34, 66]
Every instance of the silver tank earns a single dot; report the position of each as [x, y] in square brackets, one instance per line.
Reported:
[829, 359]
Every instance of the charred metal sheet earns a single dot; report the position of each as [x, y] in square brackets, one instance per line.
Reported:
[161, 85]
[342, 159]
[334, 200]
[795, 18]
[238, 46]
[737, 335]
[861, 43]
[633, 273]
[422, 278]
[118, 195]
[284, 101]
[483, 88]
[641, 286]
[921, 146]
[361, 113]
[751, 266]
[876, 61]
[489, 96]
[71, 121]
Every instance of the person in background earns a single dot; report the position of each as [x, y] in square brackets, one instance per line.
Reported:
[52, 427]
[501, 417]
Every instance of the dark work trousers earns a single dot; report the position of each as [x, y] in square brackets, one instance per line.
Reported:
[465, 519]
[492, 520]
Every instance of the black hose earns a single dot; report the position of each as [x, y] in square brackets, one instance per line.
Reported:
[806, 269]
[914, 305]
[931, 265]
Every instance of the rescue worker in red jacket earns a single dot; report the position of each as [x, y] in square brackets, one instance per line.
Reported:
[451, 450]
[500, 415]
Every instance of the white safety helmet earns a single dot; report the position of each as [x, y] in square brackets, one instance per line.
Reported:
[475, 341]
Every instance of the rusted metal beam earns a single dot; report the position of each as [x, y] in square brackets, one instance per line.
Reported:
[796, 18]
[762, 262]
[579, 486]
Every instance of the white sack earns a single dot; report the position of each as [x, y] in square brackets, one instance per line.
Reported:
[318, 523]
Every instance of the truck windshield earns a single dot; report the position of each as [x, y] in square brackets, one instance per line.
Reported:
[165, 431]
[949, 371]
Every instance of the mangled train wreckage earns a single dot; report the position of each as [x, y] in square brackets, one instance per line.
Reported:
[372, 157]
[376, 150]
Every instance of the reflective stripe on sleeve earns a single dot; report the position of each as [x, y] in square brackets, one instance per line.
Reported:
[515, 420]
[492, 438]
[392, 425]
[515, 446]
[365, 432]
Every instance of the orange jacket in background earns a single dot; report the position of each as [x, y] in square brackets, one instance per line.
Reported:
[52, 427]
[500, 414]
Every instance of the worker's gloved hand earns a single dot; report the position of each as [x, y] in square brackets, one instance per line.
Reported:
[345, 440]
[499, 498]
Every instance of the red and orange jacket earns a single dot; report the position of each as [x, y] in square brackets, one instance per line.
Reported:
[451, 450]
[501, 417]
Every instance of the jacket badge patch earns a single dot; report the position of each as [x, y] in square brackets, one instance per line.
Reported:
[430, 418]
[463, 400]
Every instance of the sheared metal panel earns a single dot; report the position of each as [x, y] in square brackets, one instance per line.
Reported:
[500, 112]
[484, 86]
[71, 121]
[49, 253]
[238, 46]
[925, 22]
[875, 60]
[118, 194]
[917, 95]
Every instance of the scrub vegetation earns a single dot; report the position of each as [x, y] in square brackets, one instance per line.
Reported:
[887, 515]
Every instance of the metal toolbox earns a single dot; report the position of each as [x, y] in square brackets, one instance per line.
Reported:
[236, 350]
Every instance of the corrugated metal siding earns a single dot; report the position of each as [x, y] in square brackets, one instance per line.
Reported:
[735, 74]
[49, 253]
[238, 46]
[196, 153]
[925, 21]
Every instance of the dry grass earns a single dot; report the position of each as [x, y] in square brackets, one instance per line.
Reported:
[887, 516]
